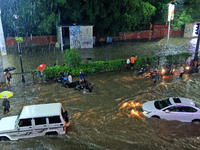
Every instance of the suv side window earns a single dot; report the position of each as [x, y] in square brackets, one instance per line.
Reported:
[55, 119]
[25, 122]
[40, 121]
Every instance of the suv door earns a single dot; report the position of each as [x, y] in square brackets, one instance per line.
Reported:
[25, 127]
[40, 125]
[55, 121]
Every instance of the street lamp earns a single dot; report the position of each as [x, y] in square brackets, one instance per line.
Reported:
[19, 41]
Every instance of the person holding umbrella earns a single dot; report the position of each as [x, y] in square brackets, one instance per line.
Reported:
[40, 71]
[8, 74]
[6, 104]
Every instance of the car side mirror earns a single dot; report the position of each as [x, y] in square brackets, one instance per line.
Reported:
[17, 127]
[167, 111]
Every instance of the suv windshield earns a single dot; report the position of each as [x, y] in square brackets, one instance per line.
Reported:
[162, 103]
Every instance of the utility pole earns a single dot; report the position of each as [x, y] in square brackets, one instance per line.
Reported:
[197, 46]
[2, 52]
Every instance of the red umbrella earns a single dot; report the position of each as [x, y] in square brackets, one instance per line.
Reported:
[41, 67]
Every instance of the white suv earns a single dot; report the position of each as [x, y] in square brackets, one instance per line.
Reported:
[35, 120]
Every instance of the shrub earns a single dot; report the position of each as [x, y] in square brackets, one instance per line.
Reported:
[103, 66]
[72, 57]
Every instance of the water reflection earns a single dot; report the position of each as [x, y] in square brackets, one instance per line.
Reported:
[108, 117]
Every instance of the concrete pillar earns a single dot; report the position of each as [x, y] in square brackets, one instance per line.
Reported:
[3, 52]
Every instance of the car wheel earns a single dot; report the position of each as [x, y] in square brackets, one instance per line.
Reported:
[196, 121]
[157, 117]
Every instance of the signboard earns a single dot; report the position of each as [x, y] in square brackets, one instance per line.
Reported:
[86, 36]
[171, 12]
[74, 32]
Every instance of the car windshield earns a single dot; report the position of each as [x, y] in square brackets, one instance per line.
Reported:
[197, 104]
[162, 103]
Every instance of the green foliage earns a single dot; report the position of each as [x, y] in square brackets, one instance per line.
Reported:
[94, 67]
[48, 24]
[40, 17]
[72, 58]
[178, 58]
[112, 65]
[19, 39]
[181, 19]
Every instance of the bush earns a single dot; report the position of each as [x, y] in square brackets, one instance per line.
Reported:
[178, 58]
[103, 66]
[72, 57]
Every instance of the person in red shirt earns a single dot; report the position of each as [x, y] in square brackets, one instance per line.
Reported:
[133, 59]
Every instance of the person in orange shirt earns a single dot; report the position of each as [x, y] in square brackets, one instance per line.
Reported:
[133, 59]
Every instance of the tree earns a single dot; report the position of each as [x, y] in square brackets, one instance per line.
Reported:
[109, 17]
[181, 19]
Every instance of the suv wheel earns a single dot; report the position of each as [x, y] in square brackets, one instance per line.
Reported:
[52, 134]
[4, 138]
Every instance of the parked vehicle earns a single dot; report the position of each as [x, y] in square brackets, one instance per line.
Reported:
[35, 120]
[173, 108]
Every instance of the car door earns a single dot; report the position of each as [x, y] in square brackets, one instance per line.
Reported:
[40, 125]
[188, 114]
[171, 113]
[25, 128]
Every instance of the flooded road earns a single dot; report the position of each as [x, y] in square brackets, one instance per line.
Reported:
[99, 120]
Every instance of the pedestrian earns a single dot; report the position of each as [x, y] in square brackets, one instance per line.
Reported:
[8, 76]
[188, 61]
[181, 69]
[156, 77]
[133, 59]
[127, 63]
[69, 78]
[82, 75]
[41, 75]
[6, 105]
[69, 83]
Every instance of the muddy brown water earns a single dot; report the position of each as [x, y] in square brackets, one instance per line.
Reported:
[98, 120]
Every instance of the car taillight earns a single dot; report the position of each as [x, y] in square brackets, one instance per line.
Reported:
[64, 128]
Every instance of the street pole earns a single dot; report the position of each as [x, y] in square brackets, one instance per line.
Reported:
[171, 8]
[20, 56]
[19, 48]
[197, 47]
[168, 31]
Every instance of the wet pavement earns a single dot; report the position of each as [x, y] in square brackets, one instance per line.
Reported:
[106, 118]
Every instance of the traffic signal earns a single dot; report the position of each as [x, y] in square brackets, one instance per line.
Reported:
[174, 2]
[197, 29]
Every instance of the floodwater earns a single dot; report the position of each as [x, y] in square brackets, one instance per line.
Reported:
[110, 116]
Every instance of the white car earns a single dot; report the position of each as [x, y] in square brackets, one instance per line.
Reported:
[35, 120]
[173, 108]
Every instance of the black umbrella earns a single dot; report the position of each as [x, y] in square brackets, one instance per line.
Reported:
[9, 69]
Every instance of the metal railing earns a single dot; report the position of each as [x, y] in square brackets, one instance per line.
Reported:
[17, 78]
